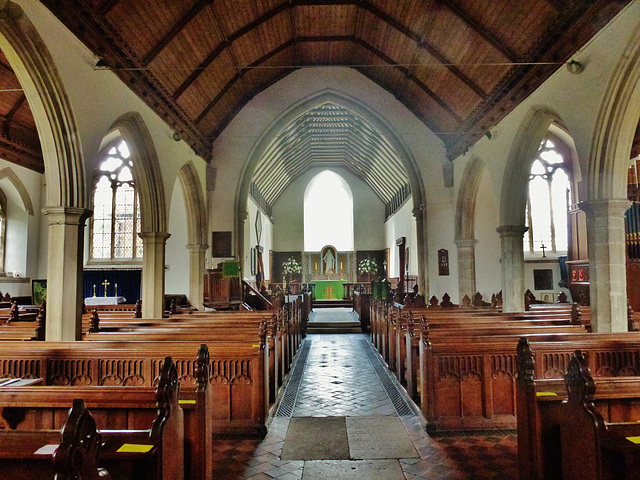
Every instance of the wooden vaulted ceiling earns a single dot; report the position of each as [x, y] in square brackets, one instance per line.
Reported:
[330, 136]
[19, 142]
[459, 65]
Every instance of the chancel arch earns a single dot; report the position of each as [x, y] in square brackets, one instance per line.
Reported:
[380, 141]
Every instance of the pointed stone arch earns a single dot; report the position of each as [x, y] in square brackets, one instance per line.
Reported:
[196, 230]
[67, 193]
[10, 175]
[359, 108]
[153, 209]
[465, 226]
[606, 186]
[513, 201]
[146, 170]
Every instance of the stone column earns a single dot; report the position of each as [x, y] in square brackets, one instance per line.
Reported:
[196, 274]
[512, 267]
[607, 263]
[466, 266]
[153, 260]
[420, 215]
[64, 272]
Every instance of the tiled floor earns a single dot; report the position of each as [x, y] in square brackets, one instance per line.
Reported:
[339, 381]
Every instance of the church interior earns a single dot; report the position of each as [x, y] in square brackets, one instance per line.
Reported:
[319, 239]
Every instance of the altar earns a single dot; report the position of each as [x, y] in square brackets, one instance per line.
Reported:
[328, 289]
[104, 300]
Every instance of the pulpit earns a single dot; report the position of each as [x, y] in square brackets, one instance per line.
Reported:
[222, 287]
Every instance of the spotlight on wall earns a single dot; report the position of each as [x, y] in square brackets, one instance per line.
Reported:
[177, 136]
[101, 64]
[575, 67]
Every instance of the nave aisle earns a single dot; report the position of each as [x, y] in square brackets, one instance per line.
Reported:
[337, 420]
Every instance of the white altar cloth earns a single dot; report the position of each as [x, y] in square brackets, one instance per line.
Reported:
[104, 300]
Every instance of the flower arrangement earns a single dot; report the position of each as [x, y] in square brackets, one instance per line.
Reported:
[291, 266]
[367, 265]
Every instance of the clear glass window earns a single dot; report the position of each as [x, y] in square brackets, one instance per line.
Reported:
[116, 209]
[549, 200]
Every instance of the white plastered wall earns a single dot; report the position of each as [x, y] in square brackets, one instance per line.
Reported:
[22, 231]
[576, 100]
[288, 214]
[177, 259]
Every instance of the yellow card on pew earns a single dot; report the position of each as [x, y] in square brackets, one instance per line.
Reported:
[546, 394]
[635, 440]
[134, 448]
[186, 402]
[256, 345]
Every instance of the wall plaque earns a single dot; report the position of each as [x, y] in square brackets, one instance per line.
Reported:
[221, 244]
[443, 262]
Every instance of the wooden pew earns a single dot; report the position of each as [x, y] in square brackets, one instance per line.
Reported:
[237, 372]
[76, 455]
[155, 453]
[540, 410]
[130, 408]
[592, 448]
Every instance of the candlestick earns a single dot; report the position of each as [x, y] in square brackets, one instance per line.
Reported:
[116, 290]
[94, 289]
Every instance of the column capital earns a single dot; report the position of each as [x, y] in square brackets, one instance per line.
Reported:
[466, 242]
[614, 207]
[154, 237]
[197, 248]
[419, 212]
[66, 215]
[512, 231]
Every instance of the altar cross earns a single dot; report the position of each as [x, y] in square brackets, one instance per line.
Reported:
[105, 284]
[329, 291]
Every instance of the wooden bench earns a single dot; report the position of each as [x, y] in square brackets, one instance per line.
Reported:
[540, 411]
[237, 372]
[128, 408]
[155, 453]
[592, 448]
[26, 455]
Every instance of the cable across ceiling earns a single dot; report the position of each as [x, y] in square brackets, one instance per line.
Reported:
[330, 136]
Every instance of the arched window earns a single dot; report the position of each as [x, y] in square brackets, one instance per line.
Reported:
[116, 206]
[328, 213]
[549, 198]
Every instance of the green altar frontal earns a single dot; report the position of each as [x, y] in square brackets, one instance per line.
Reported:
[328, 289]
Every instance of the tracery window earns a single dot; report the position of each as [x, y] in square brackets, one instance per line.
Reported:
[116, 206]
[549, 199]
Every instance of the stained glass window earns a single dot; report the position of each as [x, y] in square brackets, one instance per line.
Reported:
[116, 207]
[549, 199]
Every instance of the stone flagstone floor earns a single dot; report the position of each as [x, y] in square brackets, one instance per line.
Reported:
[339, 381]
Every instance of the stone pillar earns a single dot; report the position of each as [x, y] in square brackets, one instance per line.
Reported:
[607, 263]
[512, 267]
[420, 215]
[64, 272]
[466, 266]
[153, 260]
[196, 274]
